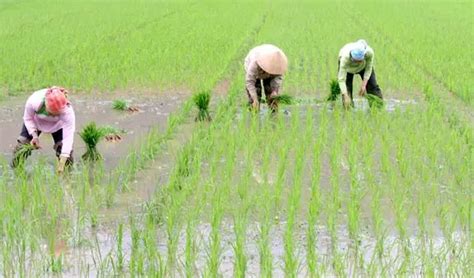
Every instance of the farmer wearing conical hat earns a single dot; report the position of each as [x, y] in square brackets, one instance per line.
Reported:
[358, 58]
[264, 64]
[48, 110]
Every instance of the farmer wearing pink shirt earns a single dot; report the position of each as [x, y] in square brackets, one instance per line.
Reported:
[48, 111]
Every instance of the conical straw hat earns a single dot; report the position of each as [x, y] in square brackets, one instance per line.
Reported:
[273, 60]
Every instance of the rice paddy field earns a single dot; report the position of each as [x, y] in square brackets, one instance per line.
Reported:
[312, 191]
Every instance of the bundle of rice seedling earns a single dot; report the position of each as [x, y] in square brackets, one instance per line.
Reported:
[120, 105]
[202, 101]
[112, 134]
[283, 99]
[374, 101]
[334, 90]
[91, 134]
[21, 154]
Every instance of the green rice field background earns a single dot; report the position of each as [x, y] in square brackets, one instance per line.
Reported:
[313, 191]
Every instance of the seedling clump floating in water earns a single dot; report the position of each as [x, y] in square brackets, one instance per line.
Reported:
[120, 105]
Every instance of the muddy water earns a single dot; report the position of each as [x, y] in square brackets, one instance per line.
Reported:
[153, 112]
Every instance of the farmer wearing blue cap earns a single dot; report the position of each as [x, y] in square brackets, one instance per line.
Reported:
[358, 58]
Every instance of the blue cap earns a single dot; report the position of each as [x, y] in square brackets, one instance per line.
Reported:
[358, 54]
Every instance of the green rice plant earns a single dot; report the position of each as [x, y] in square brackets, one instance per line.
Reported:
[120, 256]
[22, 154]
[91, 134]
[315, 204]
[110, 130]
[119, 105]
[291, 260]
[190, 249]
[202, 101]
[374, 101]
[334, 90]
[215, 236]
[283, 99]
[240, 227]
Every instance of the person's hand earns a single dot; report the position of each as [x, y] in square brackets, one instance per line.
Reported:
[346, 100]
[35, 142]
[61, 164]
[256, 105]
[363, 88]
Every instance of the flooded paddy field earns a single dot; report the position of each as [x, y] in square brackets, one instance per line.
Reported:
[212, 207]
[313, 190]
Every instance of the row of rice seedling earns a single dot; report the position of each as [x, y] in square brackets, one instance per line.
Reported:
[344, 197]
[437, 57]
[325, 192]
[167, 45]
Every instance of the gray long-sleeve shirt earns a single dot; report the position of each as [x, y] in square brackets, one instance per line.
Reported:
[346, 65]
[253, 71]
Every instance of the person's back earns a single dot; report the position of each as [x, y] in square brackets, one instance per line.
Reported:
[47, 110]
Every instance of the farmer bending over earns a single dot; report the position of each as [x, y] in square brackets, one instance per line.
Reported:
[265, 63]
[357, 58]
[48, 111]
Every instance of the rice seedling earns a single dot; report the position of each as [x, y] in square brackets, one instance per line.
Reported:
[369, 193]
[202, 100]
[334, 90]
[119, 105]
[21, 154]
[91, 134]
[374, 101]
[283, 99]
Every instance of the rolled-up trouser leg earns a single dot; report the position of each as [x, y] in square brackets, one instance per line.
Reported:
[58, 145]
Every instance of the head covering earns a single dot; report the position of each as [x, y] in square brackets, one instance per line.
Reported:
[272, 60]
[358, 52]
[56, 99]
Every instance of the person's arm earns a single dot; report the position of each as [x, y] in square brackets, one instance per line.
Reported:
[342, 75]
[276, 84]
[28, 119]
[250, 79]
[69, 128]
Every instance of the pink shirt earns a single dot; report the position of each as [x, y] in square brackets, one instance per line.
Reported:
[50, 124]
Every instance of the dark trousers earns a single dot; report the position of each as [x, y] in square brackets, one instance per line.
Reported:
[258, 85]
[372, 86]
[25, 138]
[268, 91]
[374, 94]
